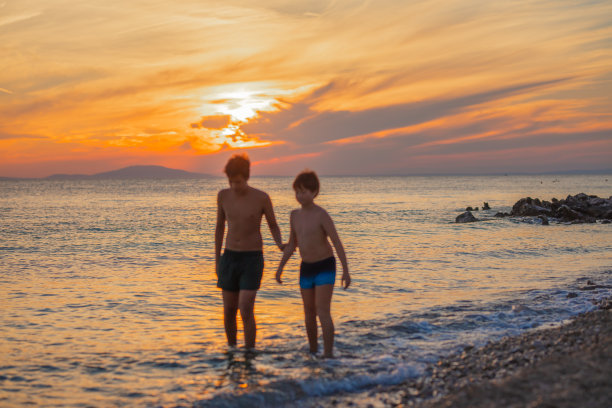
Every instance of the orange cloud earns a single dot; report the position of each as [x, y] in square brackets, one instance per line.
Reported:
[213, 122]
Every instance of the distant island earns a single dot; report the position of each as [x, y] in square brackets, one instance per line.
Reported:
[161, 172]
[133, 172]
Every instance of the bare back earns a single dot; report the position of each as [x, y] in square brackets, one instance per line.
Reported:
[310, 233]
[243, 213]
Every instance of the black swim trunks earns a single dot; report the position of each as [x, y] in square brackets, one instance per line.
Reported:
[240, 270]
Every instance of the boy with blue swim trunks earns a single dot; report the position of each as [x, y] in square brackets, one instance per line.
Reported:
[311, 226]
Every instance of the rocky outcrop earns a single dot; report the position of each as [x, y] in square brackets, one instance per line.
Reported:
[580, 208]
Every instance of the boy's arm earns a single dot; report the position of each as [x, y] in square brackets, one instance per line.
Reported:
[271, 219]
[330, 230]
[287, 252]
[219, 230]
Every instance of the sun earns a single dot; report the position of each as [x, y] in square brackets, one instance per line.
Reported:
[244, 105]
[241, 103]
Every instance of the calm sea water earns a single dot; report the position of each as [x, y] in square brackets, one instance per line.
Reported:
[108, 297]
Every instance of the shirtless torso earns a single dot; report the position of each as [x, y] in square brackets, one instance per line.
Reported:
[312, 239]
[243, 212]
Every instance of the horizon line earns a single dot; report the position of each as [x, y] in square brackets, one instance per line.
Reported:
[76, 176]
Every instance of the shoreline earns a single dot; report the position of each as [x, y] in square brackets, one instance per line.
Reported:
[564, 366]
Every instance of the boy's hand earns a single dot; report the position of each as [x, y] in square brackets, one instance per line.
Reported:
[346, 280]
[278, 277]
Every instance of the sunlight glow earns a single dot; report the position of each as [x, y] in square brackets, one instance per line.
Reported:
[241, 102]
[243, 105]
[232, 136]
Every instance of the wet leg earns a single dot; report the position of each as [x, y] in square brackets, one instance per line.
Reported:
[246, 303]
[323, 295]
[230, 309]
[310, 318]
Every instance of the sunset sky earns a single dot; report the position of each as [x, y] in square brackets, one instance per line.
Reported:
[342, 87]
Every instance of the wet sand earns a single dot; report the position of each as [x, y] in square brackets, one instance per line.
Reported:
[565, 366]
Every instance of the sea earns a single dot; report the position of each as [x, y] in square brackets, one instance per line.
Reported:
[108, 291]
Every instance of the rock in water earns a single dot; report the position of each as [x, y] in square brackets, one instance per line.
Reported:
[529, 207]
[466, 217]
[566, 213]
[575, 209]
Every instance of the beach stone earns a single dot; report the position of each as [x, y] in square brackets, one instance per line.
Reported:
[466, 217]
[485, 206]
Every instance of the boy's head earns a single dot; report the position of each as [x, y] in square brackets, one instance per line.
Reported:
[237, 170]
[307, 180]
[238, 165]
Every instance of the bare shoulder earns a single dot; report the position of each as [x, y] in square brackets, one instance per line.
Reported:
[324, 219]
[222, 194]
[322, 213]
[262, 195]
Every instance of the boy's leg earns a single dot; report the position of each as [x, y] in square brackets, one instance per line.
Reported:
[323, 295]
[246, 303]
[230, 308]
[310, 318]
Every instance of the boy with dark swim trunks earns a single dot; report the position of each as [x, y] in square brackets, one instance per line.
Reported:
[240, 268]
[311, 227]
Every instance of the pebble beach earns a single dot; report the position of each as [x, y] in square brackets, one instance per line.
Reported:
[564, 366]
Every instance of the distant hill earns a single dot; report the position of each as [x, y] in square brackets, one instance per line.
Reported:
[133, 172]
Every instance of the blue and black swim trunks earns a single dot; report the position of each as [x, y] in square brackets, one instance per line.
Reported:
[318, 273]
[240, 270]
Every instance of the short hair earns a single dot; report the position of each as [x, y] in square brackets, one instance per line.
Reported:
[238, 164]
[307, 179]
